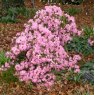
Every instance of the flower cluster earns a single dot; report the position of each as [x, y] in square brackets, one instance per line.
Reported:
[39, 49]
[91, 41]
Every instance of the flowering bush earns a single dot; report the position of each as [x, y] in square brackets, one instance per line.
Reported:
[39, 49]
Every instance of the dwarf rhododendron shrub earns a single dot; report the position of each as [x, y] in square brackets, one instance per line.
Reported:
[39, 49]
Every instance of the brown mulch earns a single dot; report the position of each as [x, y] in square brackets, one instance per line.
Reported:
[60, 88]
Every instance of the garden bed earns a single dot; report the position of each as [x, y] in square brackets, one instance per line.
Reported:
[84, 17]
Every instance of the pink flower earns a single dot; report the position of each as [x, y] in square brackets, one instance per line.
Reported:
[18, 67]
[15, 50]
[21, 39]
[79, 33]
[71, 19]
[7, 65]
[22, 47]
[91, 42]
[8, 54]
[77, 71]
[34, 25]
[23, 72]
[76, 57]
[76, 67]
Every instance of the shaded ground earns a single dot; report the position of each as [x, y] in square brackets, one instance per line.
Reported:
[7, 31]
[58, 89]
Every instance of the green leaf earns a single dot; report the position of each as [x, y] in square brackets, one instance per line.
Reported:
[3, 58]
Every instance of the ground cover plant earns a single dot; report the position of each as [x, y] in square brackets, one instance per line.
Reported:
[73, 11]
[11, 14]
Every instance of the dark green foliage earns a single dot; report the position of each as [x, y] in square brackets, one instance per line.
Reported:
[86, 74]
[27, 12]
[21, 57]
[3, 58]
[74, 77]
[30, 86]
[8, 19]
[89, 32]
[11, 9]
[53, 1]
[7, 76]
[12, 3]
[88, 66]
[33, 12]
[10, 16]
[73, 11]
[23, 11]
[12, 13]
[64, 21]
[77, 2]
[87, 71]
[80, 44]
[59, 75]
